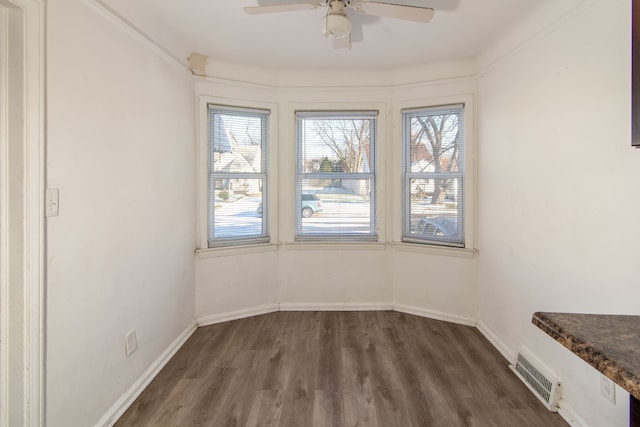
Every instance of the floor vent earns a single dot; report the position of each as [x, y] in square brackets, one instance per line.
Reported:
[540, 381]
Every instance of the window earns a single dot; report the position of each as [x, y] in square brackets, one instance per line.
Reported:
[434, 156]
[238, 205]
[335, 181]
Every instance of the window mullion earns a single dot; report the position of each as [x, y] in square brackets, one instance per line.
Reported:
[238, 175]
[434, 175]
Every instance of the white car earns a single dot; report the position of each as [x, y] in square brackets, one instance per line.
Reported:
[310, 205]
[437, 226]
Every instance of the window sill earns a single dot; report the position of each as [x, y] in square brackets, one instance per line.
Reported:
[236, 250]
[333, 246]
[422, 248]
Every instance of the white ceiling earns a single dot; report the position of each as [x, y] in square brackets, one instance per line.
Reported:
[221, 30]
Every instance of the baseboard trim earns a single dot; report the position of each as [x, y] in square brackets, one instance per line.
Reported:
[436, 315]
[237, 314]
[506, 352]
[337, 306]
[127, 399]
[569, 415]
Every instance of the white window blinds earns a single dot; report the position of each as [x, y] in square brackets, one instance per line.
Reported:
[336, 175]
[433, 193]
[238, 207]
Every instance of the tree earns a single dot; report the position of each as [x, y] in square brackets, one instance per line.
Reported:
[325, 165]
[434, 145]
[348, 139]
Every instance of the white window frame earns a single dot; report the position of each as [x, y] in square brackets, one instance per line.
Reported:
[235, 246]
[372, 175]
[467, 249]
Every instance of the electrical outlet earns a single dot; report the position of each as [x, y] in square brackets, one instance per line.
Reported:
[131, 343]
[608, 389]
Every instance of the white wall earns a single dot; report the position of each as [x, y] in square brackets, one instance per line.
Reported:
[435, 286]
[340, 275]
[236, 282]
[558, 202]
[120, 255]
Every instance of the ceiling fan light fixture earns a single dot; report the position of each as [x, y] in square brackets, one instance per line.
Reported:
[336, 24]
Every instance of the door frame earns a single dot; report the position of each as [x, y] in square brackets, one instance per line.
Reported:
[22, 183]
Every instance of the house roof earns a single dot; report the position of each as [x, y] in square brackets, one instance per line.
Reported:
[220, 140]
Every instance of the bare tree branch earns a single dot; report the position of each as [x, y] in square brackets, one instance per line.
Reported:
[443, 153]
[347, 139]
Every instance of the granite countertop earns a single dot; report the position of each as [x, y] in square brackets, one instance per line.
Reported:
[609, 343]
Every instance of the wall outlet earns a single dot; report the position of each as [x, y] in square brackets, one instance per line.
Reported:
[131, 343]
[608, 389]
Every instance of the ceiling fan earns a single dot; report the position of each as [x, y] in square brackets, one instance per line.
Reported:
[336, 23]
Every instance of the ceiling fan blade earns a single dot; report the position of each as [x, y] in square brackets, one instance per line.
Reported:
[408, 13]
[255, 10]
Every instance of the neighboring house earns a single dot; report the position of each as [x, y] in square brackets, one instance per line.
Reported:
[235, 162]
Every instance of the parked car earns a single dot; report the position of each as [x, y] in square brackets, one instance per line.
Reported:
[310, 205]
[437, 226]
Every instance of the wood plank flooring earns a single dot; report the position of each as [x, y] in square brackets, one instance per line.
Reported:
[375, 368]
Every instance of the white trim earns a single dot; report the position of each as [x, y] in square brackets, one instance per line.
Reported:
[424, 248]
[234, 82]
[335, 246]
[244, 76]
[506, 352]
[4, 226]
[123, 23]
[236, 250]
[237, 314]
[35, 228]
[335, 306]
[32, 186]
[569, 415]
[436, 315]
[127, 399]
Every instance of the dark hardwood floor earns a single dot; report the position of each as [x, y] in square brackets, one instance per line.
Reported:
[378, 368]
